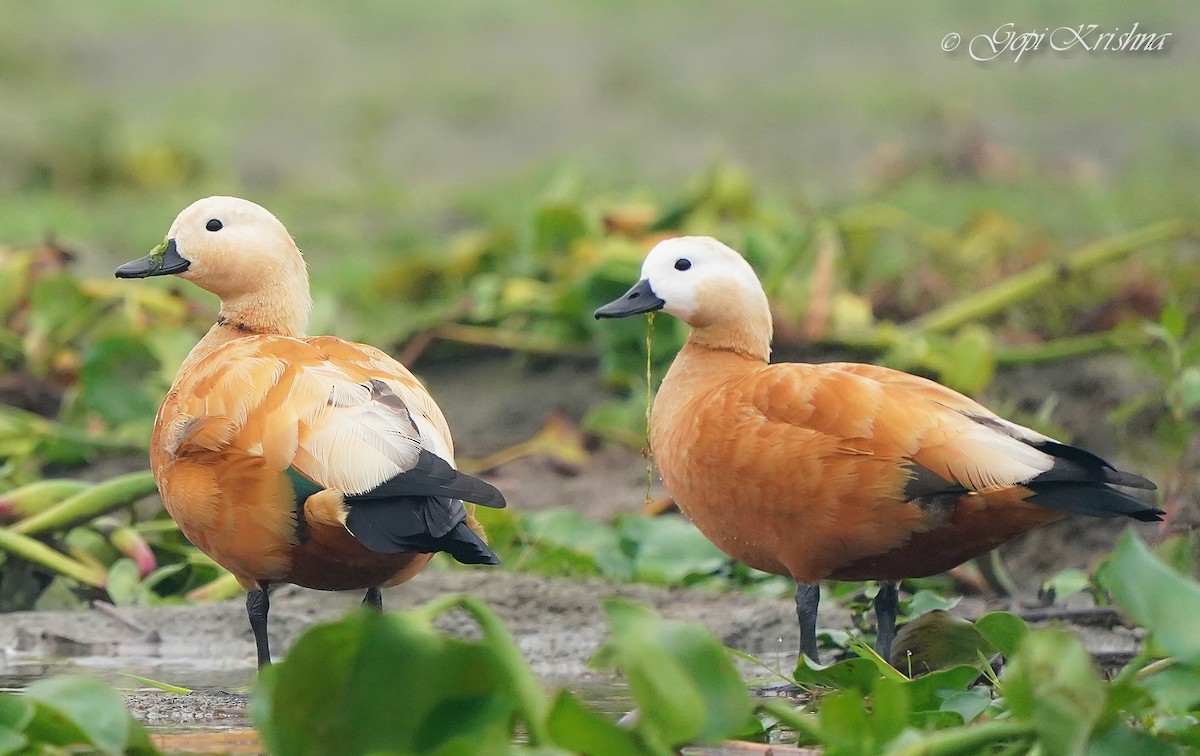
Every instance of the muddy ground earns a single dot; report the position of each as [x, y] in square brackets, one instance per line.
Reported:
[558, 623]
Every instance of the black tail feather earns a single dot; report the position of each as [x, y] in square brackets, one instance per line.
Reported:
[418, 524]
[1095, 500]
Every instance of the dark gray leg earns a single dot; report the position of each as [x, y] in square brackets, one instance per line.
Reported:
[808, 596]
[257, 606]
[886, 602]
[373, 599]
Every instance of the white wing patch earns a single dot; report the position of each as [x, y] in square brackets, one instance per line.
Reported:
[357, 437]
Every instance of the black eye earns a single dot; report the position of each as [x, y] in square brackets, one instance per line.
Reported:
[683, 263]
[214, 225]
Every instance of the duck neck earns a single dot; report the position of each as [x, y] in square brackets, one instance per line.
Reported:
[279, 308]
[748, 337]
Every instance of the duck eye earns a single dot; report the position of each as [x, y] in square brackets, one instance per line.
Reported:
[683, 263]
[214, 225]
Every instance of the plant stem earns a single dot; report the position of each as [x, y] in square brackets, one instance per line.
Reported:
[1025, 284]
[97, 500]
[39, 553]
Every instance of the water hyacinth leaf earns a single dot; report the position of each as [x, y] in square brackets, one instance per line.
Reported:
[858, 673]
[1003, 630]
[1175, 690]
[843, 725]
[1166, 603]
[15, 711]
[114, 379]
[929, 692]
[360, 665]
[889, 709]
[124, 585]
[581, 730]
[937, 640]
[1067, 583]
[970, 363]
[1052, 683]
[968, 704]
[669, 550]
[686, 686]
[1123, 740]
[80, 710]
[12, 742]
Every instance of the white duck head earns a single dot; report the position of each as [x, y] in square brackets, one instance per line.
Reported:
[709, 286]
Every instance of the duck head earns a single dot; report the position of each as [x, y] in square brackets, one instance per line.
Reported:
[707, 285]
[226, 245]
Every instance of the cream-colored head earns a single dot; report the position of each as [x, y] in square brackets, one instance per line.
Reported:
[243, 254]
[233, 246]
[710, 287]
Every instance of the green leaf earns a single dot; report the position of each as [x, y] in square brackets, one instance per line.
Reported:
[889, 709]
[686, 686]
[1002, 630]
[968, 704]
[373, 682]
[970, 364]
[576, 727]
[15, 711]
[73, 709]
[936, 640]
[1164, 602]
[12, 741]
[859, 673]
[843, 725]
[669, 550]
[1052, 684]
[124, 585]
[929, 692]
[114, 378]
[1123, 740]
[1175, 689]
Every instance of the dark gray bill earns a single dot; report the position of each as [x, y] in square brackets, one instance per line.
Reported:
[163, 260]
[641, 298]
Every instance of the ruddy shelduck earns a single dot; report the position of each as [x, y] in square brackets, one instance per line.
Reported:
[839, 470]
[289, 459]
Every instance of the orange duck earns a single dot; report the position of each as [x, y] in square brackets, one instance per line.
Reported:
[288, 459]
[839, 471]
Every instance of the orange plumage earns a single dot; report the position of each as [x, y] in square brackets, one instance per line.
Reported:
[312, 461]
[839, 470]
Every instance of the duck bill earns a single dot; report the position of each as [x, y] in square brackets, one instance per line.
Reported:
[163, 260]
[641, 298]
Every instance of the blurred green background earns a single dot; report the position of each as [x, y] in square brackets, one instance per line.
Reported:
[374, 127]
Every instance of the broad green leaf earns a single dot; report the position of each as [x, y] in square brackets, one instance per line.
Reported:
[576, 727]
[15, 711]
[970, 363]
[968, 704]
[1164, 602]
[1123, 740]
[889, 709]
[859, 673]
[124, 585]
[1175, 689]
[1003, 630]
[843, 725]
[73, 709]
[1068, 582]
[669, 550]
[686, 686]
[12, 741]
[114, 376]
[387, 683]
[929, 692]
[936, 640]
[1052, 683]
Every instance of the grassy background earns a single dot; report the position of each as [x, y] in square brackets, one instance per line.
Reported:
[375, 128]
